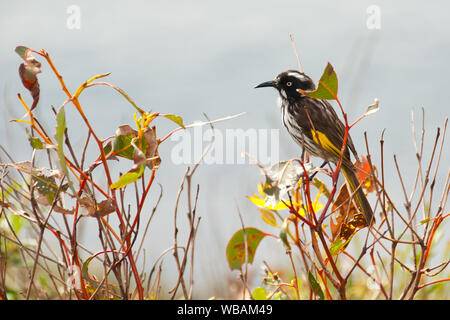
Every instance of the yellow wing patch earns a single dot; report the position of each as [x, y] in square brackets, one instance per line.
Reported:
[325, 142]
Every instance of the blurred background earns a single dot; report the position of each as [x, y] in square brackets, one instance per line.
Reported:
[190, 58]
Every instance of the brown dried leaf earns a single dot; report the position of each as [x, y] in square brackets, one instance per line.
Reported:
[151, 150]
[105, 207]
[351, 227]
[87, 203]
[341, 210]
[348, 219]
[125, 130]
[62, 210]
[26, 167]
[102, 208]
[28, 71]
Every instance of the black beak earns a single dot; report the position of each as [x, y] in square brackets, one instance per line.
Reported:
[272, 83]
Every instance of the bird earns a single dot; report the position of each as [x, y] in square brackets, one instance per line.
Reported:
[315, 126]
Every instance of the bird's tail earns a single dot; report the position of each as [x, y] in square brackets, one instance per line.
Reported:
[359, 195]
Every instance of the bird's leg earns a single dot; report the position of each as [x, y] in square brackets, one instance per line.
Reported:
[314, 174]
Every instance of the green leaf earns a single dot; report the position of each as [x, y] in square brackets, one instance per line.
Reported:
[283, 234]
[122, 142]
[315, 286]
[60, 129]
[239, 251]
[21, 51]
[127, 145]
[107, 148]
[85, 273]
[328, 85]
[129, 177]
[43, 280]
[28, 70]
[143, 154]
[17, 222]
[127, 97]
[45, 185]
[259, 294]
[12, 294]
[337, 246]
[36, 143]
[435, 287]
[177, 119]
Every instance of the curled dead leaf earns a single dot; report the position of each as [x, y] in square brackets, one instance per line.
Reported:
[348, 219]
[151, 150]
[62, 210]
[28, 71]
[99, 209]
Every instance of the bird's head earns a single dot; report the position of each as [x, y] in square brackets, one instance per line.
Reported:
[287, 83]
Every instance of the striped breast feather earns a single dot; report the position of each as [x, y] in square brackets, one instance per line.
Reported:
[291, 116]
[303, 115]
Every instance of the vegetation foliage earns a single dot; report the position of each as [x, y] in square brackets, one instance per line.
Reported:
[314, 219]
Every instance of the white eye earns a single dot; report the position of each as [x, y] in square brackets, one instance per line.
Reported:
[289, 84]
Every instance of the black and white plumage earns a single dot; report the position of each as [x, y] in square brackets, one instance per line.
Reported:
[315, 126]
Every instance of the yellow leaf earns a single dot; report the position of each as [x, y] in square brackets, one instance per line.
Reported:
[269, 217]
[262, 203]
[261, 189]
[316, 207]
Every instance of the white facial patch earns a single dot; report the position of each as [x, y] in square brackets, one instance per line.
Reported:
[279, 101]
[283, 93]
[297, 75]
